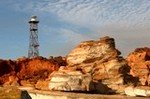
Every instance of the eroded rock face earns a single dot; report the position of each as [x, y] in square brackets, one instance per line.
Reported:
[101, 60]
[139, 61]
[60, 60]
[8, 72]
[110, 72]
[66, 80]
[31, 70]
[27, 72]
[89, 51]
[137, 91]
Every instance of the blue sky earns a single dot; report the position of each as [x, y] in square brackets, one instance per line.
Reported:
[65, 23]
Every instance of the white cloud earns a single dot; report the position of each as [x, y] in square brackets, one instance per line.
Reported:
[97, 12]
[93, 11]
[126, 20]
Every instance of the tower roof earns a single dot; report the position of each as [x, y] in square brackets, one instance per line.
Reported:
[33, 19]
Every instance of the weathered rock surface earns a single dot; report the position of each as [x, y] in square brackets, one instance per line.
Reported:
[60, 60]
[32, 70]
[94, 66]
[38, 94]
[66, 80]
[100, 59]
[26, 71]
[137, 91]
[12, 92]
[89, 51]
[110, 71]
[7, 72]
[139, 61]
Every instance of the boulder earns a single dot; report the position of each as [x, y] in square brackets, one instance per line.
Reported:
[66, 80]
[102, 61]
[138, 91]
[139, 61]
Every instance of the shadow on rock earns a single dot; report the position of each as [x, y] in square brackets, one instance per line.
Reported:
[25, 95]
[99, 88]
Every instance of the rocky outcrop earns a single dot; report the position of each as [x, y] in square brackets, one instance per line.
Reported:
[90, 51]
[99, 59]
[60, 60]
[32, 70]
[66, 80]
[8, 72]
[25, 71]
[110, 71]
[93, 66]
[139, 61]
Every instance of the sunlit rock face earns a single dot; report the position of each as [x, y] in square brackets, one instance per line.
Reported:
[66, 80]
[138, 91]
[139, 61]
[32, 70]
[110, 71]
[99, 59]
[27, 72]
[88, 51]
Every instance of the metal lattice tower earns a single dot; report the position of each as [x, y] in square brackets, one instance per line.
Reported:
[33, 40]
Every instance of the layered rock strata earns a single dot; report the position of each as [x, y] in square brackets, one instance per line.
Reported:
[66, 80]
[99, 59]
[90, 51]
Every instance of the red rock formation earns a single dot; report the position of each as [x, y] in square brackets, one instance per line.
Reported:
[139, 61]
[7, 72]
[27, 71]
[60, 60]
[31, 70]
